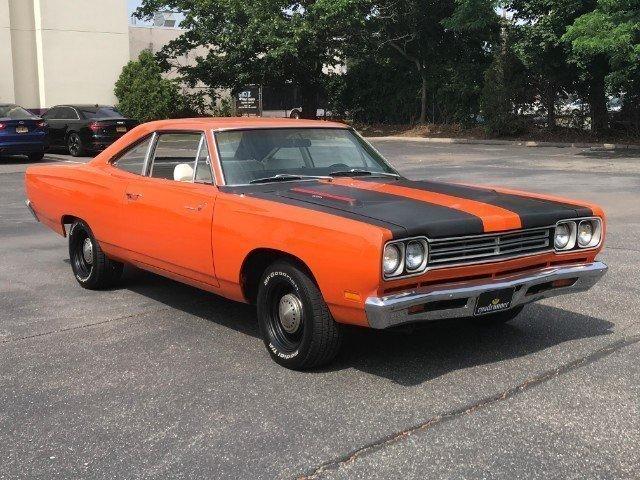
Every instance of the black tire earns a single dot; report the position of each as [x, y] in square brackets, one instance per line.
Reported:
[295, 114]
[36, 157]
[91, 267]
[493, 319]
[74, 145]
[316, 339]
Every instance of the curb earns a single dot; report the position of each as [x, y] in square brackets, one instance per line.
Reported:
[520, 143]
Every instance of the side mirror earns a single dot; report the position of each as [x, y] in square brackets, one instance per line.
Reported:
[183, 173]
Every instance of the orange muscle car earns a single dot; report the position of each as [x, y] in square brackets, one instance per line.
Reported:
[306, 220]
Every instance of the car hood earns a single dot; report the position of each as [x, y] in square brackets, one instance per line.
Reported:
[411, 208]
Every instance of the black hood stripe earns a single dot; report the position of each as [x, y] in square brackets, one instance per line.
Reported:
[533, 212]
[404, 217]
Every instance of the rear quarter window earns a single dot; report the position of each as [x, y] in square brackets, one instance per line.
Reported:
[133, 159]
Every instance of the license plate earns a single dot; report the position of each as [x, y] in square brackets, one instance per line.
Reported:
[22, 130]
[121, 129]
[494, 301]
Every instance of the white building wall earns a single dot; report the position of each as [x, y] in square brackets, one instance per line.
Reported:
[24, 52]
[63, 51]
[6, 55]
[84, 44]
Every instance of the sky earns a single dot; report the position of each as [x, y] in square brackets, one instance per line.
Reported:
[133, 4]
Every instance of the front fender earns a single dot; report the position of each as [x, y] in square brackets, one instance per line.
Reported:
[342, 254]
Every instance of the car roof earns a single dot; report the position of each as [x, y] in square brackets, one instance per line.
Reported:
[235, 123]
[81, 105]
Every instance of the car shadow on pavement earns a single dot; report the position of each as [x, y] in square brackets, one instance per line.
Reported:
[20, 160]
[434, 349]
[193, 301]
[407, 356]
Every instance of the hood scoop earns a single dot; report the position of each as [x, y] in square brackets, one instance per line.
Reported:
[318, 196]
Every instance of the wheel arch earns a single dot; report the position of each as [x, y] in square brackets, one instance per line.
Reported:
[68, 220]
[257, 261]
[69, 132]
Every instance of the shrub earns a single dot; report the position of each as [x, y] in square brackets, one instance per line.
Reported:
[145, 95]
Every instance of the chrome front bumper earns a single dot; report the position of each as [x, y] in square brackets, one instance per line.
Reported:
[456, 300]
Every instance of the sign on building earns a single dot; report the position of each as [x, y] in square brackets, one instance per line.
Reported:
[249, 101]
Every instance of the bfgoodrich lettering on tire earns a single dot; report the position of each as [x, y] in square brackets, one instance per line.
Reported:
[91, 267]
[296, 325]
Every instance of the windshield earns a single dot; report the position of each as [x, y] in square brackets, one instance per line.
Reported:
[14, 112]
[99, 112]
[258, 154]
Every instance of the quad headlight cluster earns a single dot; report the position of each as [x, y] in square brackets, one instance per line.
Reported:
[405, 257]
[585, 233]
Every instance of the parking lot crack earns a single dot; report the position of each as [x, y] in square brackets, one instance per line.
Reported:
[527, 384]
[86, 325]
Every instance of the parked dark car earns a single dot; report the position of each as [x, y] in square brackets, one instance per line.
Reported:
[86, 128]
[22, 132]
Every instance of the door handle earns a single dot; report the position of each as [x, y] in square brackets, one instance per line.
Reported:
[133, 196]
[197, 208]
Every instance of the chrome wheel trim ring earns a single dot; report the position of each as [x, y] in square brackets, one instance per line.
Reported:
[290, 313]
[87, 251]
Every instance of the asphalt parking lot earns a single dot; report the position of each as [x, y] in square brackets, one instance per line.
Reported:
[157, 379]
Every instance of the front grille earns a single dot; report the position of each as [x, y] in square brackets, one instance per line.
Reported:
[488, 247]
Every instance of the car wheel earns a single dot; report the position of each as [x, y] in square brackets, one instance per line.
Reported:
[74, 145]
[493, 319]
[295, 114]
[36, 157]
[91, 267]
[296, 325]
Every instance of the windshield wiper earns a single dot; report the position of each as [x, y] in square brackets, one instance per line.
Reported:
[356, 172]
[285, 177]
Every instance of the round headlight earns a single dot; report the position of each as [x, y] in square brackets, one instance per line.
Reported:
[563, 235]
[391, 259]
[585, 233]
[414, 255]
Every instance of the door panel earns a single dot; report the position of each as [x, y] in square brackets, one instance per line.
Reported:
[168, 224]
[59, 119]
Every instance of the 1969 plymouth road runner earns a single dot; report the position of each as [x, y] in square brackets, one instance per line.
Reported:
[306, 220]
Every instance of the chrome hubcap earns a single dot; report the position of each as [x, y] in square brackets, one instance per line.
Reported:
[87, 251]
[290, 313]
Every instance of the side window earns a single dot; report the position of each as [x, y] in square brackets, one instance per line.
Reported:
[65, 113]
[52, 113]
[133, 159]
[203, 166]
[174, 157]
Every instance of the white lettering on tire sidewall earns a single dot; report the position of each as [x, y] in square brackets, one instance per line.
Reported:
[277, 274]
[285, 356]
[268, 278]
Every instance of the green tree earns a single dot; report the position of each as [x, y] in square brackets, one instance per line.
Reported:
[430, 34]
[377, 88]
[143, 94]
[506, 89]
[606, 42]
[542, 24]
[235, 42]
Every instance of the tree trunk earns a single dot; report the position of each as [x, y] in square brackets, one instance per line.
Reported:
[423, 92]
[598, 97]
[309, 98]
[550, 105]
[423, 100]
